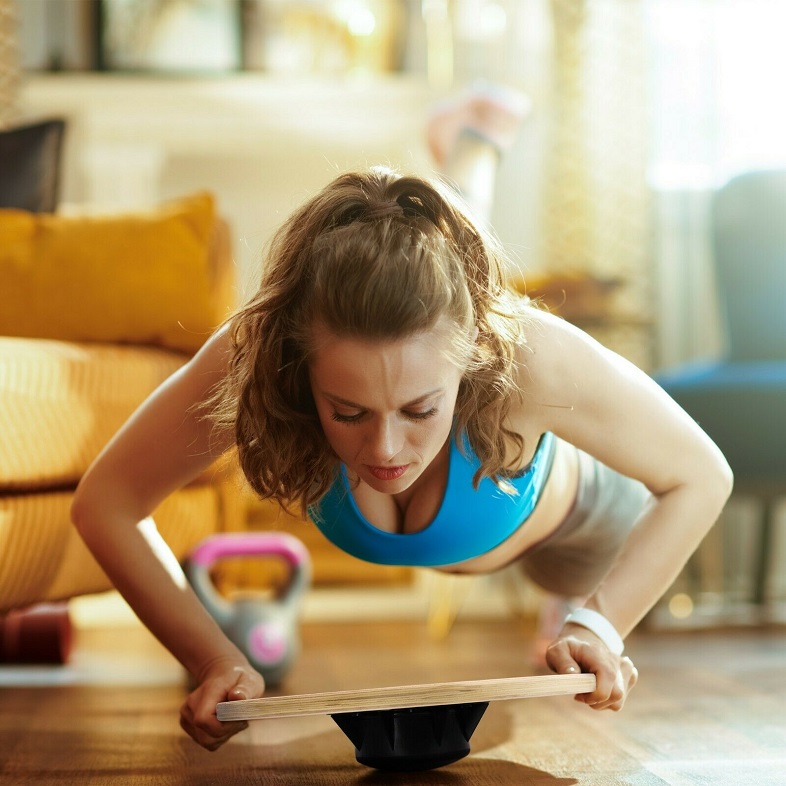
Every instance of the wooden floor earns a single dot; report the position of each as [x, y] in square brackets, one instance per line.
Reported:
[710, 709]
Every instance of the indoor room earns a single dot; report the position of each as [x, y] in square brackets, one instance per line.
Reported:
[223, 484]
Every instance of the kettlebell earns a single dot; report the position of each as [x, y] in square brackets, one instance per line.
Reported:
[265, 629]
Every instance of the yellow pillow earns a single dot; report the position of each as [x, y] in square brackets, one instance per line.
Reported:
[142, 278]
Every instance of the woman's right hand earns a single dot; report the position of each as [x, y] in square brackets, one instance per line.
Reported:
[222, 681]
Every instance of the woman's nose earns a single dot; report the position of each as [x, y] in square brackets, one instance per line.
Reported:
[385, 441]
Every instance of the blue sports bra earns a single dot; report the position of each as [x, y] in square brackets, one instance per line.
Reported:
[469, 522]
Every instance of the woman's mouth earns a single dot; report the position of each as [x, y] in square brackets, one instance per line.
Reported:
[388, 473]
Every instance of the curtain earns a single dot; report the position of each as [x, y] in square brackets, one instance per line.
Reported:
[596, 212]
[715, 80]
[9, 63]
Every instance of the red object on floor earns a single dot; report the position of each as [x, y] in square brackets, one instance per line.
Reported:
[39, 634]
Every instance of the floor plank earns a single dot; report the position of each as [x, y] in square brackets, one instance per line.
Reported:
[709, 709]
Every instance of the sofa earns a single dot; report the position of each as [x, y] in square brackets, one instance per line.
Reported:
[95, 312]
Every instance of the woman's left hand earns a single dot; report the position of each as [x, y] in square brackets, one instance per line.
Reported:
[578, 650]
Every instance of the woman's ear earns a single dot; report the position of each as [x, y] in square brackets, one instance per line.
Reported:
[475, 333]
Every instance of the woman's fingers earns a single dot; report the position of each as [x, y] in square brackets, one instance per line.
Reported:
[198, 712]
[560, 659]
[615, 676]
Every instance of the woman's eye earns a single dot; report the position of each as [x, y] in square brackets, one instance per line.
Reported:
[429, 413]
[339, 418]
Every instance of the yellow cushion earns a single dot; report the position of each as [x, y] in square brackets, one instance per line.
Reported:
[61, 402]
[144, 277]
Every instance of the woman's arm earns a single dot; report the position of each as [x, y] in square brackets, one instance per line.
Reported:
[604, 405]
[162, 447]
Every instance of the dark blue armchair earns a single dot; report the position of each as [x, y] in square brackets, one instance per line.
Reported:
[740, 399]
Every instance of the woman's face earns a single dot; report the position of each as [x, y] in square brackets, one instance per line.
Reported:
[386, 407]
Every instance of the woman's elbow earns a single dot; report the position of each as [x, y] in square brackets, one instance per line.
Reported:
[720, 478]
[82, 508]
[90, 504]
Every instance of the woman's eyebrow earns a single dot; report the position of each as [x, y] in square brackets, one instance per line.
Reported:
[354, 405]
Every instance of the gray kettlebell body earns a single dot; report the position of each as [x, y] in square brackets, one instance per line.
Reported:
[265, 629]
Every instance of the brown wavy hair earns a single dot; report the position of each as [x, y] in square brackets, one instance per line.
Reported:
[378, 255]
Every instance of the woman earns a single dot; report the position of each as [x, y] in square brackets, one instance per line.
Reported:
[385, 380]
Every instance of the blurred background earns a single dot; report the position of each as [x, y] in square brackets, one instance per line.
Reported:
[641, 111]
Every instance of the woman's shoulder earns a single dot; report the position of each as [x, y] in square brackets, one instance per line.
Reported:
[201, 377]
[551, 356]
[214, 356]
[543, 333]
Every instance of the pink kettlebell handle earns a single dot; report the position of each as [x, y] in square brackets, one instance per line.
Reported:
[250, 544]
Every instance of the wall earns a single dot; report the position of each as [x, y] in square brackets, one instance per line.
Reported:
[261, 144]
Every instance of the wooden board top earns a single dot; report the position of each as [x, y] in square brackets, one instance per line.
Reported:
[404, 696]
